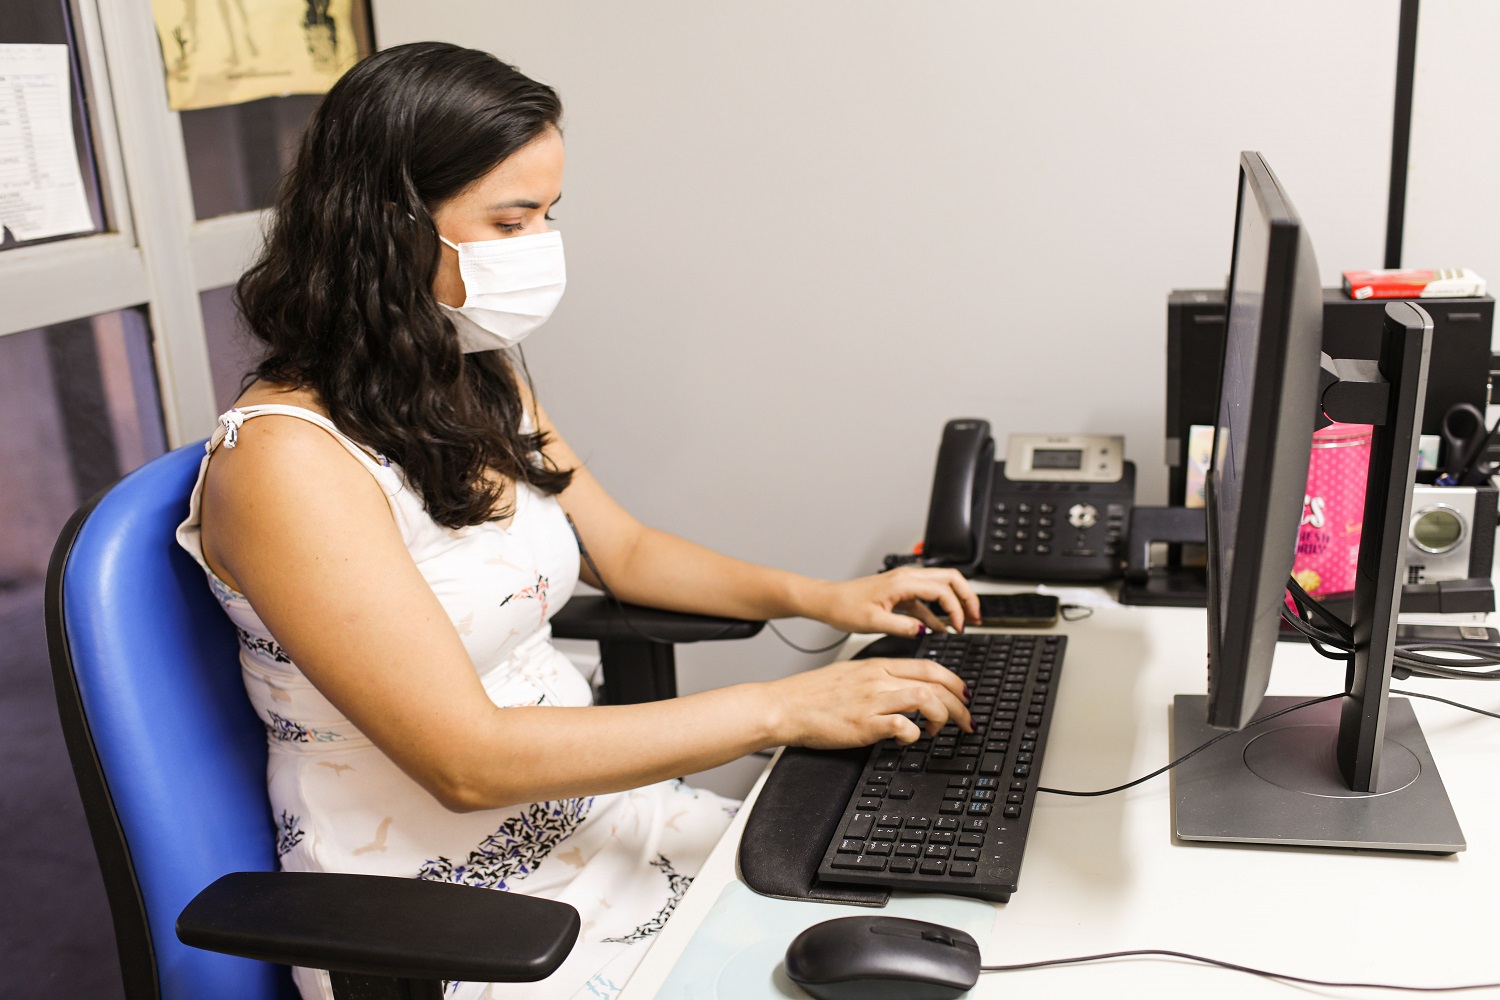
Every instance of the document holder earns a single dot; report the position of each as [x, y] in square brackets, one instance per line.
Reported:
[798, 811]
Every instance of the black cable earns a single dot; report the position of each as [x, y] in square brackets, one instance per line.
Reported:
[625, 617]
[1316, 638]
[1445, 701]
[1410, 658]
[1195, 751]
[802, 649]
[1285, 977]
[1311, 606]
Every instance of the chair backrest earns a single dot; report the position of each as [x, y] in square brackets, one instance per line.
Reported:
[169, 757]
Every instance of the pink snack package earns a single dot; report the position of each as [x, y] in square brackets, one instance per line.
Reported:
[1333, 510]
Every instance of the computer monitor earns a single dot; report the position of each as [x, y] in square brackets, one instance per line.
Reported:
[1350, 772]
[1268, 403]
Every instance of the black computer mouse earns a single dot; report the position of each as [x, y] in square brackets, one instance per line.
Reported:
[883, 958]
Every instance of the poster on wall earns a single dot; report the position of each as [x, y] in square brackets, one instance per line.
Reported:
[219, 52]
[41, 187]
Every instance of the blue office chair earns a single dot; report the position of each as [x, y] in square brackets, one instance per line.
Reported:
[171, 763]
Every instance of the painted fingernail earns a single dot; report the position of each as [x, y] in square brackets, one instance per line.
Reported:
[921, 630]
[952, 630]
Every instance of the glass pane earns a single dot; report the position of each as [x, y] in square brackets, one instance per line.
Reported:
[78, 407]
[236, 153]
[232, 352]
[23, 166]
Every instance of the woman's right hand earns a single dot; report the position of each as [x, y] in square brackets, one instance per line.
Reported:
[858, 702]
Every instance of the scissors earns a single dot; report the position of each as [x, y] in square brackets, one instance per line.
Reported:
[1464, 440]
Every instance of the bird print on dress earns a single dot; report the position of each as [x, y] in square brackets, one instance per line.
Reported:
[536, 592]
[378, 844]
[288, 731]
[289, 833]
[677, 884]
[516, 849]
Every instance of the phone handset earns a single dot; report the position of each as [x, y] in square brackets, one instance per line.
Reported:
[960, 496]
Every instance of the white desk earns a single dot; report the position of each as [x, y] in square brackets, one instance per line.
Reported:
[1106, 874]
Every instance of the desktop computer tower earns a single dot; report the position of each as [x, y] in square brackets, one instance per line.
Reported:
[1459, 370]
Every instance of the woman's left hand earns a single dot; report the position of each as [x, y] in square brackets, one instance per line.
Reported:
[894, 602]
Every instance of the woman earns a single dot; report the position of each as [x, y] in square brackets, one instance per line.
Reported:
[385, 517]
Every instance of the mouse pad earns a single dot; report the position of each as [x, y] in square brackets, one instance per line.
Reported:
[737, 952]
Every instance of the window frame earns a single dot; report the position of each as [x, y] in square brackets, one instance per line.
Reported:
[155, 253]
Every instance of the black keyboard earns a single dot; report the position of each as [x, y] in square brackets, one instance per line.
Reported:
[950, 813]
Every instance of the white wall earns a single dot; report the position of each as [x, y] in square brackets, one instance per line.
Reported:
[803, 235]
[1453, 195]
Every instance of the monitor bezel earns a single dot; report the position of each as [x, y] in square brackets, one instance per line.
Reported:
[1278, 447]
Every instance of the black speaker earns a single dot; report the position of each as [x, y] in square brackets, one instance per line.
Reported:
[1459, 371]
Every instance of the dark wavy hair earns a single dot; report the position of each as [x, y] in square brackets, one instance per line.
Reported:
[342, 292]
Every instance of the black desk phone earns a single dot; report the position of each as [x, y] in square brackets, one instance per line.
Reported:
[1056, 509]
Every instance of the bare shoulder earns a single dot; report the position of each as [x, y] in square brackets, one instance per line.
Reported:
[286, 480]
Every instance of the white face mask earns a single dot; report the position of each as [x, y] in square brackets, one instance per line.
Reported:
[512, 286]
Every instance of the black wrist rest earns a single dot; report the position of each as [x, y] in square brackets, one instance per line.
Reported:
[596, 617]
[798, 810]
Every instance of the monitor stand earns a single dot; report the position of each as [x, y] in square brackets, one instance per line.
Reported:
[1355, 771]
[1280, 783]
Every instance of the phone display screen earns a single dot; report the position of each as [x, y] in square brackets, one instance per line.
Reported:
[1056, 458]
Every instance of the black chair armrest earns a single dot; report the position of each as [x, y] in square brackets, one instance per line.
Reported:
[400, 928]
[636, 643]
[598, 618]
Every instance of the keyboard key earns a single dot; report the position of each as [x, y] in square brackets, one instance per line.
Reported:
[945, 823]
[881, 847]
[907, 849]
[868, 804]
[961, 869]
[918, 822]
[979, 808]
[860, 825]
[852, 847]
[903, 866]
[883, 833]
[940, 837]
[933, 867]
[951, 807]
[873, 791]
[936, 851]
[1012, 812]
[971, 839]
[889, 819]
[976, 825]
[992, 763]
[865, 863]
[899, 790]
[953, 765]
[966, 854]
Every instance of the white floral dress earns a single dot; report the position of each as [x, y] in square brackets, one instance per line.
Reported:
[622, 859]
